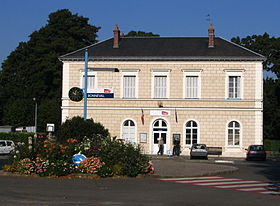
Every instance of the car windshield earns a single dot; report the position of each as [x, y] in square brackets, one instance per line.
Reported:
[199, 146]
[257, 148]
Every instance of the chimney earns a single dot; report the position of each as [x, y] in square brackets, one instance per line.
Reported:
[211, 35]
[116, 36]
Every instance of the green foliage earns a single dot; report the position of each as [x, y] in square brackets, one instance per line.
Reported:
[78, 128]
[105, 171]
[140, 34]
[124, 159]
[265, 45]
[34, 70]
[17, 137]
[272, 145]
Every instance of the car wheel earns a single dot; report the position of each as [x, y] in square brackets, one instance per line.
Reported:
[191, 157]
[206, 157]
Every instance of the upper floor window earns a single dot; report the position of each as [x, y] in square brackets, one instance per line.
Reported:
[129, 83]
[234, 87]
[192, 83]
[233, 133]
[160, 86]
[191, 87]
[91, 81]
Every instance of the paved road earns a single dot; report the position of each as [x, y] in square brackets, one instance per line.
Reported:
[139, 191]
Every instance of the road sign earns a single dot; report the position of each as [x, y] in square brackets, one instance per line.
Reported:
[77, 158]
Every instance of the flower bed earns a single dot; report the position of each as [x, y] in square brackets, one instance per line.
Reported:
[105, 159]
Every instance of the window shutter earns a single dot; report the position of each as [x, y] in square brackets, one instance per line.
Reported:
[129, 86]
[160, 86]
[191, 87]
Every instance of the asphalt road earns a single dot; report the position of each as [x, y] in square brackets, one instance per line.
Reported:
[135, 191]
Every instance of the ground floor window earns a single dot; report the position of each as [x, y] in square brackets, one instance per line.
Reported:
[128, 131]
[233, 133]
[191, 132]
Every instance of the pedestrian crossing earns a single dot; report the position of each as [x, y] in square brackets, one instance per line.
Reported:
[267, 188]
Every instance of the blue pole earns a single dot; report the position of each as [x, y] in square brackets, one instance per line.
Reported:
[85, 84]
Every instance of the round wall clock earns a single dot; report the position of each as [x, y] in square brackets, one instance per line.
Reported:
[76, 94]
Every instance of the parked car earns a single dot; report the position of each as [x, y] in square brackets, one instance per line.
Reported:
[256, 152]
[6, 146]
[199, 150]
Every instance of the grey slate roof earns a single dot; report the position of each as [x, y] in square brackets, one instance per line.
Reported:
[165, 49]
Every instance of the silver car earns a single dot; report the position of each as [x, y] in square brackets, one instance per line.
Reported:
[6, 146]
[199, 150]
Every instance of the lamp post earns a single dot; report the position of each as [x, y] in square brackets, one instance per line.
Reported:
[35, 115]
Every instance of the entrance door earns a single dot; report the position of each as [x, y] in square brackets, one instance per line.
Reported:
[159, 131]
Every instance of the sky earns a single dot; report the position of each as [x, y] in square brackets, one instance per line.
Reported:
[231, 18]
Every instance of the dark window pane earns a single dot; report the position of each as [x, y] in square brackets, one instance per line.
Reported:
[132, 123]
[156, 124]
[156, 136]
[194, 124]
[164, 124]
[126, 123]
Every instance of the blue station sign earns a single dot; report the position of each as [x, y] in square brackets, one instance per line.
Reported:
[101, 93]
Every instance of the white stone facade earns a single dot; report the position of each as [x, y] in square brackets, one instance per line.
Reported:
[212, 110]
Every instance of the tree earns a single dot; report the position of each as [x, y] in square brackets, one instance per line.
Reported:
[140, 34]
[270, 48]
[78, 128]
[265, 45]
[33, 69]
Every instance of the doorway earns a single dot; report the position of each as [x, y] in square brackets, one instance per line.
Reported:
[159, 131]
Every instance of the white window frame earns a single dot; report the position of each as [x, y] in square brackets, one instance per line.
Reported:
[160, 73]
[130, 73]
[237, 73]
[185, 133]
[192, 74]
[122, 125]
[90, 73]
[240, 135]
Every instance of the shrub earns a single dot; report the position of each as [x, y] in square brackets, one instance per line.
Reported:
[124, 159]
[90, 165]
[78, 128]
[105, 171]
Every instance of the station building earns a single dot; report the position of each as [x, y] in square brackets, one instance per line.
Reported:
[199, 89]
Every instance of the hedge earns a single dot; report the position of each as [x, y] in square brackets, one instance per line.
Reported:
[272, 145]
[17, 137]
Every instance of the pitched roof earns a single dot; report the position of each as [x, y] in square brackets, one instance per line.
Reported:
[165, 49]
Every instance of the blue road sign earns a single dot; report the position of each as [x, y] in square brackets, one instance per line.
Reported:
[77, 158]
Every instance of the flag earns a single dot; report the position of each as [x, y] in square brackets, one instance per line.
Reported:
[176, 117]
[142, 117]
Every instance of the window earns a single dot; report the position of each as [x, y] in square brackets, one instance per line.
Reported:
[129, 86]
[192, 83]
[128, 131]
[160, 86]
[233, 133]
[129, 83]
[91, 81]
[191, 87]
[234, 87]
[234, 83]
[191, 132]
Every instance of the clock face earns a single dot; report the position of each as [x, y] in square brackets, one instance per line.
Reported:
[76, 94]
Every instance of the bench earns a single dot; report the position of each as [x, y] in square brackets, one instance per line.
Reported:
[215, 150]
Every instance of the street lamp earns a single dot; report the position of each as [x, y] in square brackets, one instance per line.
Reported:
[35, 115]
